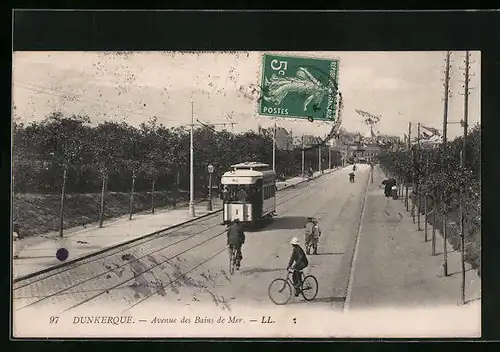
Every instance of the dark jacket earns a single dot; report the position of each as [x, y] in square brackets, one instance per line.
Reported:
[235, 235]
[299, 257]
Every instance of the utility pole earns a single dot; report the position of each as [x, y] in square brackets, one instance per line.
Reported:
[463, 165]
[274, 146]
[426, 175]
[443, 157]
[417, 183]
[409, 152]
[319, 158]
[329, 157]
[191, 165]
[303, 157]
[291, 154]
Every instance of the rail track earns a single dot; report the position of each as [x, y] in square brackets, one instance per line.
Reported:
[90, 278]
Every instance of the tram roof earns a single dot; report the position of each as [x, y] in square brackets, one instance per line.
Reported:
[250, 165]
[245, 173]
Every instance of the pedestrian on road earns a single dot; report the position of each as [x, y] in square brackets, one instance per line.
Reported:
[316, 234]
[236, 238]
[394, 192]
[298, 262]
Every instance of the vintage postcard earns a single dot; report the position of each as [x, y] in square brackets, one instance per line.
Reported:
[246, 194]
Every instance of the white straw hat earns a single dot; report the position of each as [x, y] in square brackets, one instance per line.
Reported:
[294, 240]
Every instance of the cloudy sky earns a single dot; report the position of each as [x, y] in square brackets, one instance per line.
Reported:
[131, 87]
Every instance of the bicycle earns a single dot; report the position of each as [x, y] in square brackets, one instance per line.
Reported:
[308, 288]
[233, 259]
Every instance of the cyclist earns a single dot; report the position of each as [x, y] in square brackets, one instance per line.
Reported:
[298, 262]
[236, 238]
[351, 177]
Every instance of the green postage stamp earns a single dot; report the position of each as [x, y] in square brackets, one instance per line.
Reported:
[297, 87]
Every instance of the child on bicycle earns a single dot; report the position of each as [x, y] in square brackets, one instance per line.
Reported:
[236, 238]
[298, 262]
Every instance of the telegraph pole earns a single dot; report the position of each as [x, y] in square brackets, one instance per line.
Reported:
[191, 165]
[409, 152]
[291, 154]
[303, 157]
[426, 175]
[319, 158]
[417, 183]
[463, 165]
[445, 130]
[329, 157]
[274, 144]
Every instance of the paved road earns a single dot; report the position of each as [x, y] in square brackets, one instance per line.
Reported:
[187, 267]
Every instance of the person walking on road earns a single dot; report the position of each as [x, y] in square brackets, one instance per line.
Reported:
[316, 234]
[298, 262]
[236, 238]
[312, 234]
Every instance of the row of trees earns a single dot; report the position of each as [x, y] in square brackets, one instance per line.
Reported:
[68, 153]
[434, 172]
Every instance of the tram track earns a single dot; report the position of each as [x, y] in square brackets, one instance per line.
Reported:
[127, 245]
[72, 286]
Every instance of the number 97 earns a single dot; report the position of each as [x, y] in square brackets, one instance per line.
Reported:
[282, 66]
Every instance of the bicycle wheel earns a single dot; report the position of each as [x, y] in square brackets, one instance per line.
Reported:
[280, 291]
[309, 288]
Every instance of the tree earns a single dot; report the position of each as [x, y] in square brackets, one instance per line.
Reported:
[60, 141]
[109, 140]
[151, 151]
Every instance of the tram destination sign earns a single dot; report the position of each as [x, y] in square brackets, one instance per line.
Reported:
[297, 87]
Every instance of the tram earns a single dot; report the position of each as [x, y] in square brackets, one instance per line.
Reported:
[248, 193]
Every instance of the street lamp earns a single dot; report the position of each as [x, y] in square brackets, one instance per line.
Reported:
[210, 172]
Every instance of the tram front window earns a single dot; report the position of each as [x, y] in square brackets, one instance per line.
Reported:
[240, 193]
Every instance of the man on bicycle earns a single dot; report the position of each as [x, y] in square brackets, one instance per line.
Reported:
[298, 262]
[236, 238]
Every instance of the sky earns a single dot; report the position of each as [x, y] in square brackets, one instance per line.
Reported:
[400, 87]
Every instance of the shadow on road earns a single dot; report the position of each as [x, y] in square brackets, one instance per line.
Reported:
[285, 223]
[329, 253]
[258, 270]
[321, 300]
[459, 272]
